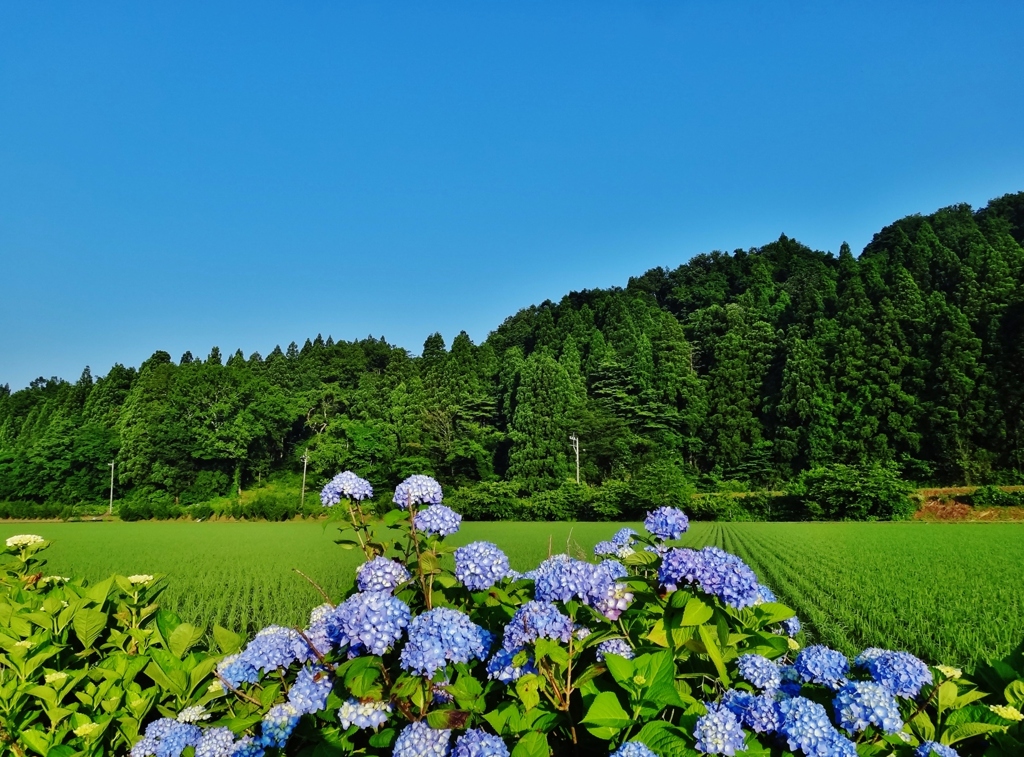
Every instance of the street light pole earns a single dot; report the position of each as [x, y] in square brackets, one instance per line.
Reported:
[305, 462]
[576, 448]
[110, 510]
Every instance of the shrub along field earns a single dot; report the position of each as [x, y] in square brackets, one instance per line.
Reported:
[945, 592]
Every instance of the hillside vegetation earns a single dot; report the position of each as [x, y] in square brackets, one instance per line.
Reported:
[753, 366]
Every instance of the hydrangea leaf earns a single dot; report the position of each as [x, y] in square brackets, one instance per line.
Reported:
[88, 625]
[1014, 693]
[605, 716]
[696, 613]
[533, 744]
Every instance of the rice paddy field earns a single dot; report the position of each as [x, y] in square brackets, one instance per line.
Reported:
[951, 593]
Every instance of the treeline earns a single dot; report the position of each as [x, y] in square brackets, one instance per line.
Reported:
[753, 367]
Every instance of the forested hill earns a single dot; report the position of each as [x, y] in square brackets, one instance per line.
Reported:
[753, 365]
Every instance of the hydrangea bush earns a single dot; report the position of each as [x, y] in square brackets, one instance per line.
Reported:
[649, 649]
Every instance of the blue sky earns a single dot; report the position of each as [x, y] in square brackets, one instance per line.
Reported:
[246, 174]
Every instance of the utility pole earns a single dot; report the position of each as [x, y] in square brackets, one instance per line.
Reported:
[110, 509]
[576, 449]
[305, 462]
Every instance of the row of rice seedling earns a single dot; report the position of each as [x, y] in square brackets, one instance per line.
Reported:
[944, 592]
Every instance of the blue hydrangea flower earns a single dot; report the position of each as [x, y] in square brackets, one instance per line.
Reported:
[719, 732]
[714, 571]
[536, 620]
[278, 724]
[764, 594]
[345, 485]
[561, 579]
[274, 647]
[840, 746]
[323, 633]
[806, 726]
[309, 693]
[247, 747]
[633, 749]
[480, 565]
[420, 740]
[605, 593]
[862, 703]
[614, 646]
[417, 490]
[791, 681]
[623, 537]
[438, 519]
[761, 713]
[899, 672]
[363, 714]
[381, 574]
[166, 737]
[606, 548]
[667, 523]
[935, 749]
[372, 620]
[502, 665]
[791, 626]
[759, 671]
[819, 664]
[440, 636]
[216, 742]
[477, 743]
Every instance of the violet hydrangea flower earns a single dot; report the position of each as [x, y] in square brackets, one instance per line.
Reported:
[667, 523]
[440, 636]
[381, 574]
[480, 565]
[417, 490]
[346, 485]
[536, 620]
[420, 740]
[719, 731]
[438, 519]
[477, 743]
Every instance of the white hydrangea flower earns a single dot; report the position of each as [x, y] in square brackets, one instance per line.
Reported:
[59, 675]
[948, 672]
[86, 729]
[193, 714]
[141, 578]
[24, 540]
[1007, 713]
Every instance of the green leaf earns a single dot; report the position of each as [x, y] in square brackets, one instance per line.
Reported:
[183, 638]
[696, 613]
[968, 730]
[88, 624]
[605, 716]
[622, 670]
[664, 739]
[947, 695]
[923, 727]
[527, 687]
[228, 642]
[166, 622]
[391, 517]
[98, 592]
[37, 741]
[774, 612]
[710, 639]
[551, 650]
[429, 564]
[533, 744]
[641, 558]
[386, 738]
[447, 719]
[1014, 693]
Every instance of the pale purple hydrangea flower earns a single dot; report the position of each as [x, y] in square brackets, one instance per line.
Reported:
[618, 647]
[363, 714]
[417, 490]
[381, 574]
[714, 571]
[667, 523]
[346, 485]
[480, 565]
[536, 620]
[438, 519]
[719, 732]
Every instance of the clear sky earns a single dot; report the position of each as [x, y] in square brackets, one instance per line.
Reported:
[181, 175]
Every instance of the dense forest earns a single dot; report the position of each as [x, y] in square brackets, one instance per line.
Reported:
[752, 366]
